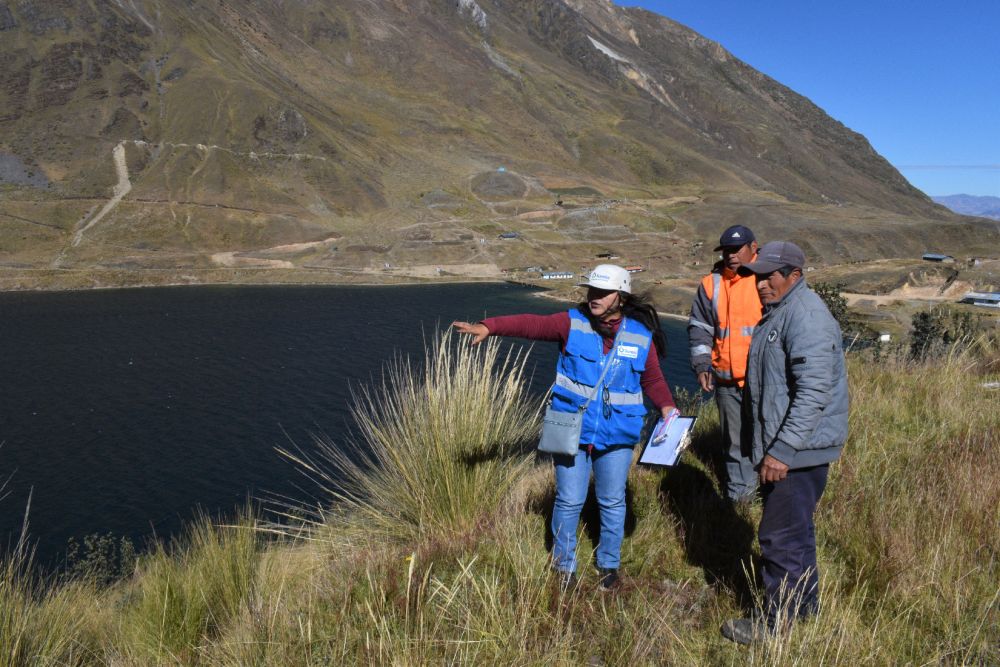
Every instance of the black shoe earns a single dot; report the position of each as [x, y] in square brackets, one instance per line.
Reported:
[745, 631]
[567, 582]
[609, 578]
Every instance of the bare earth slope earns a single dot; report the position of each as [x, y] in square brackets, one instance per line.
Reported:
[321, 140]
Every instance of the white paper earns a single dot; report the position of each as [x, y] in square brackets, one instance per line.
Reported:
[668, 450]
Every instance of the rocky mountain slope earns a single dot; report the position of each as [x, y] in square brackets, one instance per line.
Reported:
[397, 137]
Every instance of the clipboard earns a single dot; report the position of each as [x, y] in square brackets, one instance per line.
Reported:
[671, 444]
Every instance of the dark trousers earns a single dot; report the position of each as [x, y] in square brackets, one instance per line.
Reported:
[788, 543]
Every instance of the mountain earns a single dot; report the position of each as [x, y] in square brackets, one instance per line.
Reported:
[984, 207]
[214, 139]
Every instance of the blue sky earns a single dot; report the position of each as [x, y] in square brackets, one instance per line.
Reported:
[921, 80]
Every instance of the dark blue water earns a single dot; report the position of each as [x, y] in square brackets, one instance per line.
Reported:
[126, 410]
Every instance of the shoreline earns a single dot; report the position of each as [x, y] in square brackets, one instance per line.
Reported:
[19, 280]
[84, 280]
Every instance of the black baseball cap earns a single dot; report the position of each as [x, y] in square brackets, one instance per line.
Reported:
[773, 256]
[737, 235]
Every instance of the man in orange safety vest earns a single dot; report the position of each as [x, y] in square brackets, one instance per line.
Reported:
[723, 316]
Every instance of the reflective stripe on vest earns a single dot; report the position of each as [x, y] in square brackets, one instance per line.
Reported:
[585, 391]
[716, 284]
[700, 325]
[747, 331]
[722, 333]
[626, 338]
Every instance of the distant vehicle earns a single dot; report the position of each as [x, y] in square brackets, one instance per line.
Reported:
[508, 236]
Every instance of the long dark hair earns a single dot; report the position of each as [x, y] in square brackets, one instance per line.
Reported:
[638, 307]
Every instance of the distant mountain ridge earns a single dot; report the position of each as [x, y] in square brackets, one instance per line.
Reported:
[306, 134]
[984, 207]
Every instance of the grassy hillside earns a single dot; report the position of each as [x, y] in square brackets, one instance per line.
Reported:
[439, 553]
[338, 137]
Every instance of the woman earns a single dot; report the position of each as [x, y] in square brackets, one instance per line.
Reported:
[620, 330]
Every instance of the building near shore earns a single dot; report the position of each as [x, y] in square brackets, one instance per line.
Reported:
[944, 259]
[989, 299]
[557, 275]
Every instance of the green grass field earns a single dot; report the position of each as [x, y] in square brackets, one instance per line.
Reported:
[432, 549]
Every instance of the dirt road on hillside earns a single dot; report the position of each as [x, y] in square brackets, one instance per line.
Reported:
[117, 192]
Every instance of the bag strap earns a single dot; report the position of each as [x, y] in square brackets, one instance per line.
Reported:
[607, 365]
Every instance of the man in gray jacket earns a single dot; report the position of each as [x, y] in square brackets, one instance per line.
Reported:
[796, 391]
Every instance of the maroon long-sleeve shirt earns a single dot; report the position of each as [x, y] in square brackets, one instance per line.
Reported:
[555, 329]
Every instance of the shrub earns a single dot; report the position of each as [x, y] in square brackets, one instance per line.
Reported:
[835, 303]
[935, 332]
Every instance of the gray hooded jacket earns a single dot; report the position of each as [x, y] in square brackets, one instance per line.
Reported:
[797, 379]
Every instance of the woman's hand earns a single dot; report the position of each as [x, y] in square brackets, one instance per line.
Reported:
[669, 414]
[478, 330]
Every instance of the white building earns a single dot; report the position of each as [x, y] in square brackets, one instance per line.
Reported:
[991, 299]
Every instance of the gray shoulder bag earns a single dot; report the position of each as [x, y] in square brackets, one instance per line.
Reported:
[561, 430]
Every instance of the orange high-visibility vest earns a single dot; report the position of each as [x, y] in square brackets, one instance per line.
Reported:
[737, 310]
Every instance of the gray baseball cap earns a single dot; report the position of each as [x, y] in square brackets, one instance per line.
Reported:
[773, 256]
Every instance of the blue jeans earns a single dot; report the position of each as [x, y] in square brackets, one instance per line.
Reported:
[572, 482]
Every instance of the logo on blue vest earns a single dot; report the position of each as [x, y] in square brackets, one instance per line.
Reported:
[628, 351]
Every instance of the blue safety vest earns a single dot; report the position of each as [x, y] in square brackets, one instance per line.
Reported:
[615, 416]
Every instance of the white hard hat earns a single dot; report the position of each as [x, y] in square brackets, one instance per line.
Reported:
[609, 276]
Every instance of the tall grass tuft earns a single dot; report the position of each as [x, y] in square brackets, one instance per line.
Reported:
[40, 623]
[439, 449]
[185, 594]
[15, 609]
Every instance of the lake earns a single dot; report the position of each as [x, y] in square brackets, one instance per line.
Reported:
[125, 411]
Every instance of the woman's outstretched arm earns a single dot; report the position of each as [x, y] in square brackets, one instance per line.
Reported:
[552, 328]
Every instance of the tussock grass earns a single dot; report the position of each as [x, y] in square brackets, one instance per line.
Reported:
[186, 593]
[397, 572]
[438, 451]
